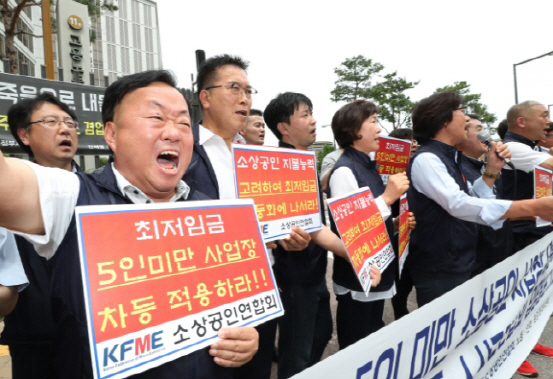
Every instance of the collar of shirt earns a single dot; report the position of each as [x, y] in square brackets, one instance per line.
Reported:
[206, 135]
[138, 197]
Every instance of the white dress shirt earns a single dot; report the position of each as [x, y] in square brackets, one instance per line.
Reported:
[11, 268]
[221, 160]
[429, 176]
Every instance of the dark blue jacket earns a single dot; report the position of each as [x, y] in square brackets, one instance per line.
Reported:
[365, 172]
[440, 242]
[68, 302]
[31, 323]
[200, 173]
[523, 190]
[493, 245]
[299, 268]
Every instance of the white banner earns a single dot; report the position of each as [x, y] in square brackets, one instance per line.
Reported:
[482, 329]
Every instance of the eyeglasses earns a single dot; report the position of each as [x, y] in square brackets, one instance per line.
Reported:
[462, 108]
[54, 122]
[237, 90]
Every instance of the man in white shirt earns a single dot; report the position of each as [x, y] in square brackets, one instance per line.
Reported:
[443, 246]
[12, 275]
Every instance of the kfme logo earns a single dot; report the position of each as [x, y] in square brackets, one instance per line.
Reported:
[140, 346]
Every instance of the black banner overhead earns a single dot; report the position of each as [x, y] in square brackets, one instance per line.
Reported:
[85, 100]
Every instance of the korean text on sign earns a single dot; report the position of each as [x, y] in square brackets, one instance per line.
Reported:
[283, 184]
[392, 156]
[543, 185]
[168, 277]
[363, 232]
[404, 231]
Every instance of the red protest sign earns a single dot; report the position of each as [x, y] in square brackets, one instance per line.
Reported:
[543, 183]
[161, 280]
[404, 231]
[283, 184]
[363, 232]
[392, 156]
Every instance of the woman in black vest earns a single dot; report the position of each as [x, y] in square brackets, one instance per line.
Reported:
[356, 130]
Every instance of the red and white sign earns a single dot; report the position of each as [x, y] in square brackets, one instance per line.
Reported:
[161, 279]
[284, 185]
[404, 231]
[543, 185]
[363, 231]
[392, 156]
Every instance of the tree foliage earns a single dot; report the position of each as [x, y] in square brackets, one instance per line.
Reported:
[355, 81]
[10, 15]
[394, 105]
[354, 78]
[472, 102]
[321, 154]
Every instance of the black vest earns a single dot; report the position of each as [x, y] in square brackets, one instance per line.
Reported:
[524, 190]
[31, 323]
[73, 358]
[306, 267]
[440, 242]
[493, 245]
[366, 174]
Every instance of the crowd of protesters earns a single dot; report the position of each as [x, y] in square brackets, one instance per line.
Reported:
[469, 211]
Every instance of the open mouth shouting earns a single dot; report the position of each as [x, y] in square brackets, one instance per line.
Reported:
[242, 113]
[66, 144]
[168, 161]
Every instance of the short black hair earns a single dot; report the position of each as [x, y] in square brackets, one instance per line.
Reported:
[208, 70]
[432, 113]
[255, 112]
[19, 115]
[402, 133]
[474, 116]
[120, 88]
[502, 128]
[348, 120]
[282, 107]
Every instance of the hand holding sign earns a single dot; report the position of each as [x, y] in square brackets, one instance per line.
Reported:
[397, 185]
[237, 347]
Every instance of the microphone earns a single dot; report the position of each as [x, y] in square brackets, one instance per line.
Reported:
[485, 137]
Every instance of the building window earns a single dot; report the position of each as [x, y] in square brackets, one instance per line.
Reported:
[26, 67]
[122, 5]
[26, 39]
[124, 32]
[137, 41]
[150, 61]
[125, 61]
[149, 39]
[112, 59]
[110, 29]
[137, 61]
[147, 15]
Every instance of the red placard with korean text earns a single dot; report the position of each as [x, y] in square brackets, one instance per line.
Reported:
[363, 232]
[543, 185]
[404, 231]
[161, 279]
[392, 156]
[284, 185]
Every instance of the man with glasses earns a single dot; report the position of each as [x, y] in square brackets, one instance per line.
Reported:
[443, 246]
[528, 123]
[46, 129]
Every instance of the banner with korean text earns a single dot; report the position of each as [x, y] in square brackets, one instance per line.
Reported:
[393, 156]
[363, 232]
[161, 279]
[543, 186]
[483, 329]
[85, 101]
[284, 185]
[404, 231]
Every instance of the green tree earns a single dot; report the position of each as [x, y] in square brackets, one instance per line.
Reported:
[354, 78]
[394, 105]
[10, 17]
[321, 154]
[473, 104]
